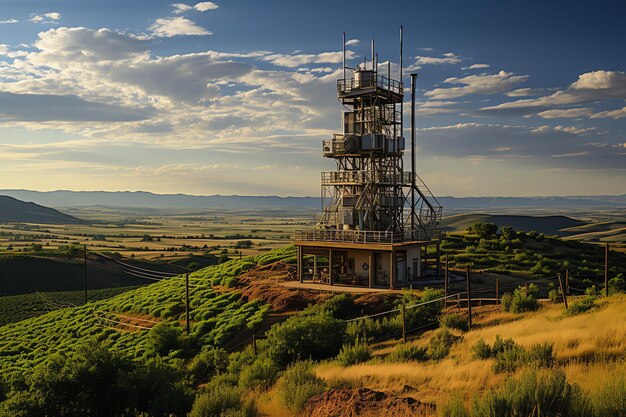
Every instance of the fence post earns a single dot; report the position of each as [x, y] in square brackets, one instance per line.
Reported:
[187, 302]
[606, 269]
[469, 299]
[567, 281]
[562, 292]
[403, 323]
[497, 290]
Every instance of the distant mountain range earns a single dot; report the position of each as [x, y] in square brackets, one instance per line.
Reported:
[14, 210]
[142, 199]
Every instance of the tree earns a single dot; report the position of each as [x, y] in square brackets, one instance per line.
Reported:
[484, 230]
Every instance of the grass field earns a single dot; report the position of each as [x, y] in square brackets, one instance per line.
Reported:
[591, 348]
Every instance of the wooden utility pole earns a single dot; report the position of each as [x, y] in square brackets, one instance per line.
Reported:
[469, 299]
[403, 323]
[606, 269]
[562, 291]
[85, 271]
[187, 302]
[445, 280]
[497, 290]
[567, 281]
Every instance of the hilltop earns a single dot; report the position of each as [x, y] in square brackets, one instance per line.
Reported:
[14, 210]
[551, 225]
[143, 199]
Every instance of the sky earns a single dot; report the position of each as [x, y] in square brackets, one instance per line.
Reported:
[235, 97]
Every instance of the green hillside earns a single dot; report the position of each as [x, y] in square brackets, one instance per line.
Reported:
[14, 308]
[551, 225]
[215, 317]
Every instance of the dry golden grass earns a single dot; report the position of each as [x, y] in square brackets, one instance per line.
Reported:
[597, 337]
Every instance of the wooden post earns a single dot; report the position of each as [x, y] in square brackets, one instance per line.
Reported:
[392, 271]
[567, 281]
[403, 323]
[469, 299]
[606, 269]
[445, 279]
[85, 272]
[562, 291]
[254, 344]
[300, 261]
[497, 290]
[187, 302]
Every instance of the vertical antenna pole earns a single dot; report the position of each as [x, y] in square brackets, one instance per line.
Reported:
[413, 77]
[373, 56]
[401, 102]
[344, 58]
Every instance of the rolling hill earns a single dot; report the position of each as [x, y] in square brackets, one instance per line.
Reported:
[14, 210]
[550, 225]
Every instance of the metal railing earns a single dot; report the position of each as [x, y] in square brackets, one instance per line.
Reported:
[359, 236]
[377, 81]
[365, 177]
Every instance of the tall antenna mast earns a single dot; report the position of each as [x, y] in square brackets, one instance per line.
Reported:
[413, 77]
[344, 57]
[402, 102]
[373, 57]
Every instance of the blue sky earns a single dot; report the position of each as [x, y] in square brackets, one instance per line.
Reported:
[234, 97]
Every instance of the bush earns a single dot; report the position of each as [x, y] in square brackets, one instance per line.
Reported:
[260, 375]
[509, 359]
[223, 401]
[581, 306]
[440, 344]
[353, 354]
[541, 355]
[340, 307]
[454, 408]
[555, 296]
[407, 353]
[316, 336]
[207, 364]
[546, 395]
[481, 350]
[523, 299]
[454, 321]
[617, 285]
[298, 384]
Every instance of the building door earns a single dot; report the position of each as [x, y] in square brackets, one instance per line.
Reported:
[401, 269]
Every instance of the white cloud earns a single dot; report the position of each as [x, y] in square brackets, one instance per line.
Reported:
[201, 7]
[525, 92]
[613, 114]
[448, 58]
[8, 21]
[478, 84]
[565, 113]
[591, 86]
[351, 42]
[205, 6]
[50, 17]
[4, 49]
[476, 66]
[296, 60]
[571, 154]
[168, 27]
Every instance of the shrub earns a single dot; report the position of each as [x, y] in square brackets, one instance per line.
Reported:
[219, 402]
[541, 355]
[260, 375]
[298, 384]
[407, 353]
[617, 285]
[164, 338]
[500, 345]
[509, 359]
[340, 307]
[440, 344]
[555, 296]
[546, 395]
[481, 350]
[506, 300]
[581, 306]
[454, 321]
[317, 336]
[523, 299]
[352, 354]
[207, 364]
